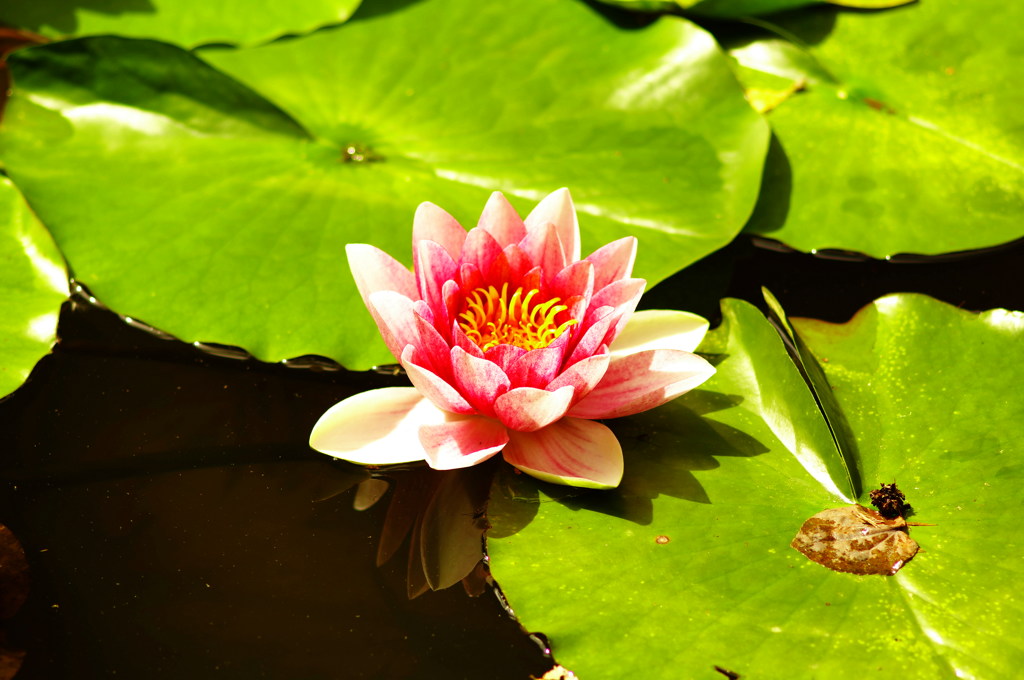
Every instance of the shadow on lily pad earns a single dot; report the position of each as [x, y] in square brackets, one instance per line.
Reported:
[662, 449]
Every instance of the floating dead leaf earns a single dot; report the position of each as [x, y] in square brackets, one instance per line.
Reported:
[856, 540]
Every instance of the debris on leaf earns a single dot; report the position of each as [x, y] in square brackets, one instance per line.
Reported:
[732, 675]
[890, 501]
[856, 540]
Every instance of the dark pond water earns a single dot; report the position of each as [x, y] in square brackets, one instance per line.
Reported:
[177, 525]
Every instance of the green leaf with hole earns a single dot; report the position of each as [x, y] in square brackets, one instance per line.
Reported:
[185, 199]
[904, 137]
[688, 565]
[33, 285]
[184, 22]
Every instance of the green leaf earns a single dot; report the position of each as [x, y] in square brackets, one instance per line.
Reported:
[844, 467]
[33, 284]
[931, 395]
[745, 8]
[904, 138]
[185, 22]
[183, 199]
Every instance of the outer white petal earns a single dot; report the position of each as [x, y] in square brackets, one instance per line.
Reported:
[571, 451]
[379, 427]
[660, 329]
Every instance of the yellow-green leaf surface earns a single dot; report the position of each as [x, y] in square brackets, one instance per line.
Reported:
[689, 562]
[33, 284]
[745, 8]
[185, 22]
[220, 213]
[904, 136]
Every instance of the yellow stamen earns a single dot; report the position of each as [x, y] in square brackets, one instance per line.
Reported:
[492, 318]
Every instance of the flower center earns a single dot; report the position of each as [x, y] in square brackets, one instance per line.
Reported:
[494, 318]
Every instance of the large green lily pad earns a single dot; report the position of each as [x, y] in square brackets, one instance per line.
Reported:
[187, 200]
[33, 284]
[902, 138]
[185, 22]
[688, 566]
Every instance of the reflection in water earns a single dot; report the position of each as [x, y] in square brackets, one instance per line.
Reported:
[14, 584]
[442, 514]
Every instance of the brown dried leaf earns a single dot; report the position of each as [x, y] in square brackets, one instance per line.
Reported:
[856, 540]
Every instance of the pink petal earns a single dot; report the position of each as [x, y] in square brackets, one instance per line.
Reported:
[406, 327]
[433, 387]
[470, 277]
[511, 265]
[535, 368]
[602, 323]
[557, 208]
[452, 295]
[478, 380]
[434, 267]
[575, 280]
[432, 223]
[533, 279]
[660, 329]
[379, 427]
[423, 310]
[375, 270]
[622, 293]
[501, 220]
[528, 408]
[637, 382]
[570, 451]
[544, 249]
[613, 261]
[460, 339]
[584, 375]
[504, 355]
[462, 442]
[609, 310]
[480, 250]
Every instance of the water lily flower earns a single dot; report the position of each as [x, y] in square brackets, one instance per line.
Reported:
[513, 344]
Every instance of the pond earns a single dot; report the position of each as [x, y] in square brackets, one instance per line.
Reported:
[206, 285]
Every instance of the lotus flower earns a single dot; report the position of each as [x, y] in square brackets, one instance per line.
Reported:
[513, 344]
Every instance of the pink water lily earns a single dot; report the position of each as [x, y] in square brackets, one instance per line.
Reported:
[513, 344]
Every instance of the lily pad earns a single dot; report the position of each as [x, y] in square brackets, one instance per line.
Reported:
[924, 149]
[710, 476]
[185, 22]
[745, 8]
[33, 282]
[183, 198]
